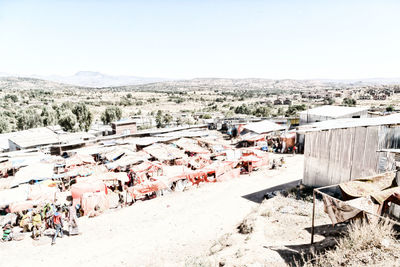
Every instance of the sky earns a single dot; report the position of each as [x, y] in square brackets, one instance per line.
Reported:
[204, 38]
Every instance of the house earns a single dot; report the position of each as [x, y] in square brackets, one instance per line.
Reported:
[341, 150]
[144, 121]
[323, 113]
[124, 127]
[364, 97]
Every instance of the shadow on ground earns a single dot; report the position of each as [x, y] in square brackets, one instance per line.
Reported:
[259, 196]
[296, 254]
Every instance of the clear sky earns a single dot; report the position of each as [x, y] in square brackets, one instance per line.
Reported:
[203, 38]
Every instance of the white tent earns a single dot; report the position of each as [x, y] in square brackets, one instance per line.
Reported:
[37, 171]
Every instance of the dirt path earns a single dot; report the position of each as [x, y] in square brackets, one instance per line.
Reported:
[159, 232]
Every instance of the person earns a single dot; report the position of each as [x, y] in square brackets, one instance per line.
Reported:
[95, 212]
[274, 165]
[7, 233]
[26, 222]
[47, 214]
[37, 225]
[58, 225]
[73, 220]
[120, 190]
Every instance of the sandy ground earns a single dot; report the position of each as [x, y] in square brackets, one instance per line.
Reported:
[165, 231]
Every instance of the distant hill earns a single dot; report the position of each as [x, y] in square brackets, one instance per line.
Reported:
[23, 83]
[95, 80]
[256, 84]
[92, 79]
[98, 80]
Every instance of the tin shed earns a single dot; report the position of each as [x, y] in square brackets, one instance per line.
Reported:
[341, 150]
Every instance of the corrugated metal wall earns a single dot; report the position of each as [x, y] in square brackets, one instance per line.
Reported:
[339, 155]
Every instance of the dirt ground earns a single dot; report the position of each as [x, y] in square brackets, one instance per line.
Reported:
[167, 231]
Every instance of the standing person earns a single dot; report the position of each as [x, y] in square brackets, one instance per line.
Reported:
[58, 225]
[37, 225]
[73, 221]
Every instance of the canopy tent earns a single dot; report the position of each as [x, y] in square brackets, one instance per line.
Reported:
[164, 152]
[9, 196]
[112, 176]
[79, 159]
[37, 171]
[190, 145]
[118, 152]
[128, 160]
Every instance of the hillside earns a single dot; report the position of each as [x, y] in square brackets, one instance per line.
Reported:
[22, 83]
[92, 80]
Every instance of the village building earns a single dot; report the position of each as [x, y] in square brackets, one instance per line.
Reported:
[124, 127]
[328, 112]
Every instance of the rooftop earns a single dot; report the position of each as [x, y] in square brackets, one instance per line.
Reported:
[333, 111]
[393, 119]
[264, 127]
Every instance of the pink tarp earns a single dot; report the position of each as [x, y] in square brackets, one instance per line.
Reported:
[90, 200]
[86, 186]
[21, 206]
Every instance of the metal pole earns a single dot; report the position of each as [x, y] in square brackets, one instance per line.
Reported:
[313, 215]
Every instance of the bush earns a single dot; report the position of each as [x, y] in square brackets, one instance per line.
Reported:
[350, 102]
[367, 244]
[390, 108]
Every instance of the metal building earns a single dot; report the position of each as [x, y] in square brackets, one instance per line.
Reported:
[340, 150]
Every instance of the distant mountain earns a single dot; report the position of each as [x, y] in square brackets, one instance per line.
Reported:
[97, 79]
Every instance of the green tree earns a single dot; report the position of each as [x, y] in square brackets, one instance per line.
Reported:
[159, 121]
[262, 112]
[111, 114]
[68, 121]
[11, 97]
[83, 116]
[49, 116]
[28, 119]
[350, 102]
[4, 128]
[390, 108]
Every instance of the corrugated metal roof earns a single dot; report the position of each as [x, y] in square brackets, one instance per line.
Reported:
[264, 127]
[34, 137]
[333, 111]
[349, 123]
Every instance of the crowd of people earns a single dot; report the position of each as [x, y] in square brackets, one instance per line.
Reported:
[48, 220]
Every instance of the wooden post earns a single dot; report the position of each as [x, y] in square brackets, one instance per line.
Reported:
[313, 215]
